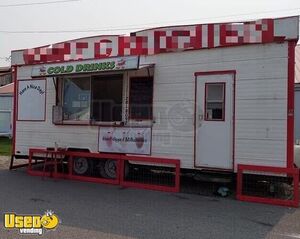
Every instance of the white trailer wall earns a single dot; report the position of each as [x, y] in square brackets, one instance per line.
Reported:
[261, 106]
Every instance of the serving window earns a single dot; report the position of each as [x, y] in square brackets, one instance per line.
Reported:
[76, 98]
[99, 99]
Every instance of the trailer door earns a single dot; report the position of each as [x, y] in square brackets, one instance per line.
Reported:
[213, 121]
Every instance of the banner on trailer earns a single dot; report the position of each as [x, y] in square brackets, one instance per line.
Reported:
[131, 140]
[31, 100]
[86, 66]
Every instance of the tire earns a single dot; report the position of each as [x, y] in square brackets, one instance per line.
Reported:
[82, 166]
[108, 169]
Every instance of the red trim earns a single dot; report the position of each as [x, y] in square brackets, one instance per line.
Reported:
[204, 73]
[223, 101]
[129, 114]
[77, 39]
[210, 34]
[15, 75]
[278, 40]
[294, 172]
[223, 72]
[290, 103]
[204, 23]
[267, 36]
[45, 109]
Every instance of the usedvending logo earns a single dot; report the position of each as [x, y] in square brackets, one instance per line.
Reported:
[31, 224]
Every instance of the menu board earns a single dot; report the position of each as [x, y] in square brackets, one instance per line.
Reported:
[140, 98]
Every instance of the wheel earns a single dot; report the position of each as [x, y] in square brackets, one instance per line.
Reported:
[81, 166]
[108, 169]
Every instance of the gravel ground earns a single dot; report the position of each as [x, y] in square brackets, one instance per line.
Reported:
[4, 162]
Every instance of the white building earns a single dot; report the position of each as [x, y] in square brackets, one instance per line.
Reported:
[6, 110]
[212, 95]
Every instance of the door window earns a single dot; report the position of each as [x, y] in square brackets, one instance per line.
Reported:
[215, 101]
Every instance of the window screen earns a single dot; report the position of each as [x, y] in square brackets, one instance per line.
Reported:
[214, 101]
[140, 99]
[107, 98]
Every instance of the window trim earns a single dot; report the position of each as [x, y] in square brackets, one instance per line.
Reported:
[90, 122]
[223, 101]
[129, 93]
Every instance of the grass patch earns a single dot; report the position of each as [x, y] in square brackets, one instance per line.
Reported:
[5, 146]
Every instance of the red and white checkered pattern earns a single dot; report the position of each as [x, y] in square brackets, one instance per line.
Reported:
[155, 41]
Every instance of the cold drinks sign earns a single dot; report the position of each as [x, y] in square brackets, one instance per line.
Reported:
[87, 66]
[125, 140]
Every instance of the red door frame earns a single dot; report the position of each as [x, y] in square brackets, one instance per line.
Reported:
[15, 108]
[290, 104]
[205, 73]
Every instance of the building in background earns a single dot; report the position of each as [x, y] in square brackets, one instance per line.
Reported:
[6, 109]
[5, 76]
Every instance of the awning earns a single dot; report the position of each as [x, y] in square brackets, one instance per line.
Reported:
[144, 66]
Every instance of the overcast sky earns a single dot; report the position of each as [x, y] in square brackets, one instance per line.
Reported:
[83, 15]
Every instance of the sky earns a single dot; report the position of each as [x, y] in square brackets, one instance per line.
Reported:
[33, 23]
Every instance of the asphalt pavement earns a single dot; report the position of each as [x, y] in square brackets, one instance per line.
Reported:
[89, 210]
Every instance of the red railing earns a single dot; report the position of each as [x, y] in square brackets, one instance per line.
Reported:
[170, 163]
[291, 173]
[56, 157]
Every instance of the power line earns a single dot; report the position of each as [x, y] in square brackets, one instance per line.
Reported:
[67, 31]
[125, 27]
[36, 3]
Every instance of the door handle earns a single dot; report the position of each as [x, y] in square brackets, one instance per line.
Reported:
[200, 118]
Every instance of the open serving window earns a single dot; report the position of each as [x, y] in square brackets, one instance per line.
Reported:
[110, 97]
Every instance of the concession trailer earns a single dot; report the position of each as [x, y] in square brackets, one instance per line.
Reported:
[213, 96]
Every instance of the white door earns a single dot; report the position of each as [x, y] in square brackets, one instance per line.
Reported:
[213, 121]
